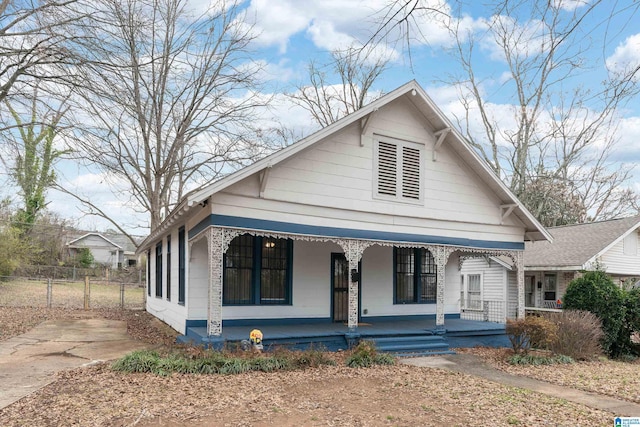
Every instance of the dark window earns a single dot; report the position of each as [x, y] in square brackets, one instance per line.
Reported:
[415, 276]
[159, 269]
[168, 268]
[238, 271]
[273, 271]
[549, 287]
[149, 272]
[257, 270]
[181, 264]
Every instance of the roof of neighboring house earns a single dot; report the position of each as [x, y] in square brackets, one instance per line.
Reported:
[76, 242]
[119, 241]
[578, 245]
[430, 111]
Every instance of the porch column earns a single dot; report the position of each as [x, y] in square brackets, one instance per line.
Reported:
[520, 275]
[353, 251]
[215, 238]
[441, 255]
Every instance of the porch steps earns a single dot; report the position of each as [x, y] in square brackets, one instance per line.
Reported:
[411, 344]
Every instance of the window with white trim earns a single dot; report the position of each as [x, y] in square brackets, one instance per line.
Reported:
[398, 166]
[472, 291]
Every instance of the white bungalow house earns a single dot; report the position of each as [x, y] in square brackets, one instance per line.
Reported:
[549, 267]
[364, 221]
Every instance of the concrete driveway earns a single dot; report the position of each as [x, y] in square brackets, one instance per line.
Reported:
[30, 361]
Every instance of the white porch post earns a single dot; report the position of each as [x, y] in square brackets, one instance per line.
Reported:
[215, 238]
[441, 256]
[353, 297]
[520, 275]
[353, 250]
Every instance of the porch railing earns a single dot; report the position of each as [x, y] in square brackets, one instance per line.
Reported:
[487, 311]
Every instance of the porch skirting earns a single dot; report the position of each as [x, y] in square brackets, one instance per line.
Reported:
[401, 336]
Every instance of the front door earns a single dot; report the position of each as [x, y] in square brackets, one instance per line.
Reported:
[529, 290]
[340, 288]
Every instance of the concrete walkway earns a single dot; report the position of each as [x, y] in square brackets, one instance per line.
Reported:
[31, 361]
[473, 365]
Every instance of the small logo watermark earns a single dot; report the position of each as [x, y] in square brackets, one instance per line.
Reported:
[626, 422]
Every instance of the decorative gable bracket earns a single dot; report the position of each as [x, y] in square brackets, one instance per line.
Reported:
[441, 134]
[264, 177]
[364, 126]
[505, 211]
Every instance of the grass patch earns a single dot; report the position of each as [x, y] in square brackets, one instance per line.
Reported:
[535, 360]
[216, 362]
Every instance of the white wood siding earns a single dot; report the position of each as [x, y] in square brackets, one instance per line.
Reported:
[332, 184]
[616, 261]
[512, 294]
[493, 277]
[169, 312]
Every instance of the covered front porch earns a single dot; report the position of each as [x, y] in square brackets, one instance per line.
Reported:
[376, 308]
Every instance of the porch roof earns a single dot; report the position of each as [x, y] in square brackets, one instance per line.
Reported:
[251, 224]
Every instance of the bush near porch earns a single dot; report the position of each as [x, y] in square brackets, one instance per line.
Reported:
[617, 308]
[576, 334]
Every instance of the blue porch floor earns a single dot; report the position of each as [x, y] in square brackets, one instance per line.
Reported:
[391, 335]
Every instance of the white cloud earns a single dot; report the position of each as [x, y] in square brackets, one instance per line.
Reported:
[569, 5]
[626, 56]
[628, 149]
[334, 24]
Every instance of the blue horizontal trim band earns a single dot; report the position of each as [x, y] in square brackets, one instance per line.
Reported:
[317, 230]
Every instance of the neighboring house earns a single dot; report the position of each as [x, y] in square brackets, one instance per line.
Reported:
[550, 266]
[115, 251]
[610, 245]
[362, 222]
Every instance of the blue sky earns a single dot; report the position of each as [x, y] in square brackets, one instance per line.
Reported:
[290, 33]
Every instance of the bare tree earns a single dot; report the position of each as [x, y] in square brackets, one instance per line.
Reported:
[170, 108]
[552, 144]
[355, 70]
[39, 40]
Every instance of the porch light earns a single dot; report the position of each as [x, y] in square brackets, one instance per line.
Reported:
[269, 244]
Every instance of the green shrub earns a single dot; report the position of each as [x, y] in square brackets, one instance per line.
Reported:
[596, 292]
[365, 355]
[530, 332]
[632, 317]
[84, 258]
[578, 334]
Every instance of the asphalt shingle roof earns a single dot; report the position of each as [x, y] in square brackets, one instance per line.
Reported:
[574, 245]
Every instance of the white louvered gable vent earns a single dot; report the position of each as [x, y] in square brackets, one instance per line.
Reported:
[387, 168]
[411, 173]
[398, 170]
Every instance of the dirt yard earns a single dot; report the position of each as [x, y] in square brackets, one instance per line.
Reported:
[327, 396]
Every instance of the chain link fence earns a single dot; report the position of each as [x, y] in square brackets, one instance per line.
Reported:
[88, 292]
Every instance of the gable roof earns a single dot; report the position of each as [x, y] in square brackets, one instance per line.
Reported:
[423, 103]
[576, 246]
[74, 243]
